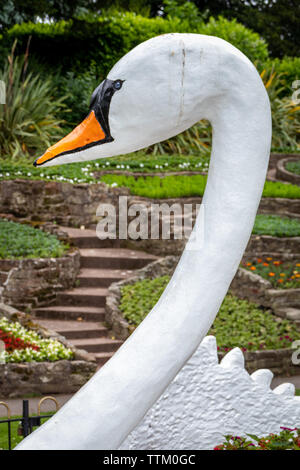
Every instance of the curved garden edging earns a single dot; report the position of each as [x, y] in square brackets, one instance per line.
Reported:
[63, 376]
[253, 288]
[283, 174]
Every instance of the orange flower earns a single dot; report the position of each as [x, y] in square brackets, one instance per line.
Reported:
[282, 274]
[269, 259]
[271, 274]
[298, 264]
[277, 263]
[253, 268]
[280, 280]
[297, 275]
[259, 260]
[266, 264]
[248, 264]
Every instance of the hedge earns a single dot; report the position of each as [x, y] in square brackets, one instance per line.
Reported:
[75, 44]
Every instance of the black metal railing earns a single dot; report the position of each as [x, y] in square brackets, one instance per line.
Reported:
[27, 422]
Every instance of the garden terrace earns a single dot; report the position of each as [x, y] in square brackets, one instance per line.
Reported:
[34, 265]
[264, 337]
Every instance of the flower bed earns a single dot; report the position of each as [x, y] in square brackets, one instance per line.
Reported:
[287, 439]
[265, 338]
[281, 274]
[239, 323]
[23, 345]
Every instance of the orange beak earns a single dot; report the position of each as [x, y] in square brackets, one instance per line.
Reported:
[85, 135]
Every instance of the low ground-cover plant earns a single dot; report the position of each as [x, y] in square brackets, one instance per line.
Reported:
[287, 439]
[281, 274]
[293, 167]
[84, 172]
[187, 186]
[23, 241]
[239, 323]
[276, 226]
[23, 345]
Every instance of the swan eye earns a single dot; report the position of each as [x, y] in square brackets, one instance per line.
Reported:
[118, 84]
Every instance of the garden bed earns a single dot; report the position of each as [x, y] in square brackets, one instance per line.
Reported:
[283, 172]
[28, 278]
[37, 360]
[124, 312]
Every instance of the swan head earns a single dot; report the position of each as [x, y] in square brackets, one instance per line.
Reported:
[157, 90]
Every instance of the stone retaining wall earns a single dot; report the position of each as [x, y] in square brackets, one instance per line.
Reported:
[64, 376]
[76, 204]
[34, 282]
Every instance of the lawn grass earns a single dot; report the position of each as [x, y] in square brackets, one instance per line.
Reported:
[15, 438]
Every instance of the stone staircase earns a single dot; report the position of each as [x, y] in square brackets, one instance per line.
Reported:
[79, 313]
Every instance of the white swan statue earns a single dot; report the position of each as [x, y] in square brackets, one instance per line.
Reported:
[157, 90]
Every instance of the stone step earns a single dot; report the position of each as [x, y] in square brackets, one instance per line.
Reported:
[102, 358]
[101, 258]
[68, 312]
[72, 329]
[87, 238]
[83, 296]
[101, 277]
[97, 345]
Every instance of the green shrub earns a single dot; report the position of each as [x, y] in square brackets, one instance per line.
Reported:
[28, 121]
[76, 43]
[276, 226]
[288, 68]
[239, 323]
[23, 241]
[293, 167]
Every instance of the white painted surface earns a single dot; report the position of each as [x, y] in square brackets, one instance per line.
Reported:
[171, 82]
[208, 400]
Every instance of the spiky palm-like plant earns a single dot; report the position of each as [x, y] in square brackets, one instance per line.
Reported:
[29, 119]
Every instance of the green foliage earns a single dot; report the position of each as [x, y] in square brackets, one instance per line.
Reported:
[288, 69]
[84, 172]
[276, 226]
[78, 42]
[138, 299]
[239, 323]
[77, 89]
[187, 186]
[285, 112]
[23, 241]
[293, 167]
[287, 439]
[277, 21]
[28, 121]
